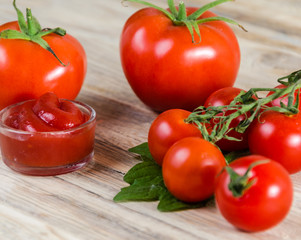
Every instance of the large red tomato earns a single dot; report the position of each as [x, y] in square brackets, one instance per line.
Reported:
[166, 70]
[264, 203]
[27, 70]
[278, 137]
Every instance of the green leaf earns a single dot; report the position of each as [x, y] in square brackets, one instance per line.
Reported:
[147, 188]
[231, 156]
[146, 168]
[33, 25]
[31, 31]
[147, 184]
[58, 31]
[171, 5]
[190, 29]
[167, 13]
[46, 46]
[206, 7]
[13, 34]
[21, 19]
[168, 203]
[142, 150]
[218, 18]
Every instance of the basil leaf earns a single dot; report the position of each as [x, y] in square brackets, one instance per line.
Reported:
[143, 151]
[169, 203]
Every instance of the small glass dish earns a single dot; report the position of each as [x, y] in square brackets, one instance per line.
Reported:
[48, 153]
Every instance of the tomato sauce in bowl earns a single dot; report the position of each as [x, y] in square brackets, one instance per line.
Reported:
[47, 136]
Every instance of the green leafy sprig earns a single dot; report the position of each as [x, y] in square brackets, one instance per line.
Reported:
[30, 30]
[248, 104]
[146, 184]
[178, 15]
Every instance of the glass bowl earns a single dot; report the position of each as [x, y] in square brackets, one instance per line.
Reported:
[48, 153]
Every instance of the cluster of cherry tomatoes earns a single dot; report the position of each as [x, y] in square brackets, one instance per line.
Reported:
[195, 169]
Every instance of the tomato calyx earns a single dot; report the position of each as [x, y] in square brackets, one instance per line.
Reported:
[30, 30]
[244, 103]
[179, 16]
[240, 183]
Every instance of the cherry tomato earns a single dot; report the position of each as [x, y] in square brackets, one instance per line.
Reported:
[27, 70]
[222, 97]
[283, 99]
[190, 168]
[166, 70]
[168, 128]
[277, 136]
[265, 203]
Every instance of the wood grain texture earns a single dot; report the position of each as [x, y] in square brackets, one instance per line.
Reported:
[79, 205]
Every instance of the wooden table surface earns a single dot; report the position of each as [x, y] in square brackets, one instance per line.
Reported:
[79, 205]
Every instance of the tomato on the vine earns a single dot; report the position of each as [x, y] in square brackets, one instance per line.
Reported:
[27, 70]
[168, 128]
[190, 168]
[261, 200]
[166, 69]
[223, 97]
[284, 99]
[277, 136]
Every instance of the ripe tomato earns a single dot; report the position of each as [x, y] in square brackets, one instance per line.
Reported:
[283, 99]
[27, 70]
[222, 97]
[265, 203]
[190, 168]
[278, 137]
[166, 70]
[168, 128]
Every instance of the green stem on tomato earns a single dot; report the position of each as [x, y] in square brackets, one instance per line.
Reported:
[30, 30]
[243, 104]
[240, 183]
[179, 16]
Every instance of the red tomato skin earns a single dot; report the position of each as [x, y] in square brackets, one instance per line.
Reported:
[278, 137]
[27, 71]
[190, 168]
[264, 204]
[284, 99]
[168, 128]
[166, 70]
[221, 97]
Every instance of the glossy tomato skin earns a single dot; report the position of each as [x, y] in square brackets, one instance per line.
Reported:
[166, 70]
[278, 137]
[27, 70]
[222, 97]
[168, 128]
[264, 204]
[276, 102]
[190, 168]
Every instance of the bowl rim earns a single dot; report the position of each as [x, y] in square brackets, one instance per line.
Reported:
[92, 114]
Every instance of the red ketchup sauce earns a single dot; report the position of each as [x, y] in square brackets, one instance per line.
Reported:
[47, 136]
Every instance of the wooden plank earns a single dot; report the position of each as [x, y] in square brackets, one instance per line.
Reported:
[79, 205]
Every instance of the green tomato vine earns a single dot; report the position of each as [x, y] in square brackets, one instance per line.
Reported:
[244, 103]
